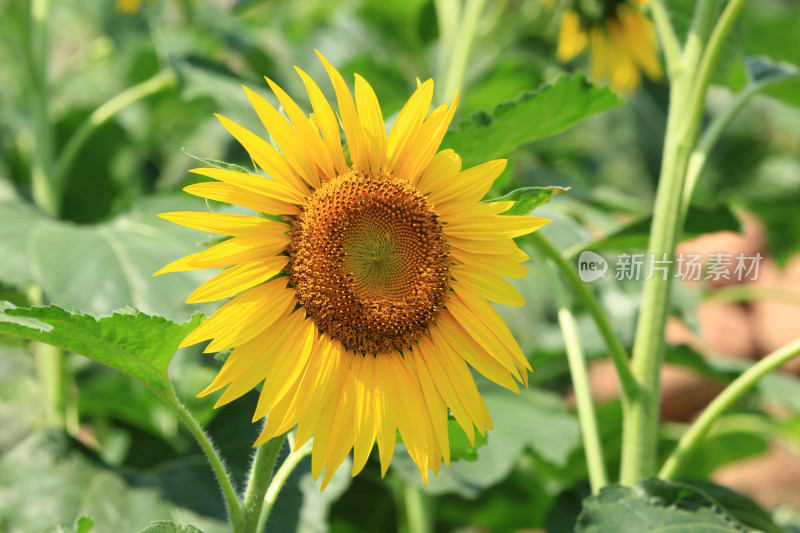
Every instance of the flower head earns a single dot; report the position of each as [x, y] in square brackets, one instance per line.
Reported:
[361, 307]
[621, 40]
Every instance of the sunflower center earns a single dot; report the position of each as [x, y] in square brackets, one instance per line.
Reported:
[369, 261]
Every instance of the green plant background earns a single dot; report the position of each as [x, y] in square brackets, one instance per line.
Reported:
[125, 460]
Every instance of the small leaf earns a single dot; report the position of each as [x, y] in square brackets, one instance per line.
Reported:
[224, 165]
[762, 69]
[167, 526]
[654, 505]
[534, 115]
[460, 448]
[529, 198]
[140, 346]
[84, 524]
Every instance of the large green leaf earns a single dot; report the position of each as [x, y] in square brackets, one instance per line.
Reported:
[138, 345]
[103, 267]
[534, 115]
[653, 506]
[48, 480]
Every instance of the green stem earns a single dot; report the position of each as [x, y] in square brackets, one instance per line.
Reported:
[687, 98]
[666, 36]
[734, 391]
[459, 45]
[42, 162]
[598, 478]
[613, 344]
[712, 134]
[417, 508]
[258, 481]
[50, 364]
[228, 492]
[101, 115]
[279, 480]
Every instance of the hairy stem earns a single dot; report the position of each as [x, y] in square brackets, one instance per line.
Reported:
[259, 481]
[228, 492]
[279, 480]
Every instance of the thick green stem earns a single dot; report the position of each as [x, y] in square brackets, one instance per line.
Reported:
[457, 42]
[613, 344]
[42, 160]
[729, 396]
[258, 482]
[50, 366]
[228, 492]
[279, 480]
[598, 478]
[417, 507]
[639, 442]
[101, 115]
[666, 36]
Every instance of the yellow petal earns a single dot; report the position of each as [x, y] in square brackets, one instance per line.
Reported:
[369, 112]
[256, 184]
[314, 146]
[290, 143]
[231, 194]
[350, 121]
[265, 155]
[488, 285]
[327, 122]
[237, 278]
[219, 223]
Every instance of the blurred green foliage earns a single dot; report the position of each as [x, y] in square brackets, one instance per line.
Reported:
[127, 462]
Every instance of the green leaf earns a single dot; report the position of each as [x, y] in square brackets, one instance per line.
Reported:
[529, 198]
[460, 447]
[741, 507]
[534, 115]
[140, 345]
[224, 165]
[653, 505]
[634, 236]
[103, 267]
[84, 524]
[166, 526]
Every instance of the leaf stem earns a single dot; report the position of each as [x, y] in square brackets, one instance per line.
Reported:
[666, 36]
[598, 477]
[279, 480]
[228, 492]
[615, 349]
[101, 115]
[258, 482]
[42, 161]
[457, 41]
[700, 428]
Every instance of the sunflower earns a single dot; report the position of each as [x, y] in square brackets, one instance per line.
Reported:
[361, 306]
[621, 39]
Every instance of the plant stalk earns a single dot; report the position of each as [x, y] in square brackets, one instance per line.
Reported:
[279, 480]
[705, 422]
[228, 492]
[687, 98]
[258, 482]
[615, 349]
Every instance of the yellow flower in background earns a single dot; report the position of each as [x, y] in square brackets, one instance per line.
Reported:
[129, 7]
[361, 307]
[620, 38]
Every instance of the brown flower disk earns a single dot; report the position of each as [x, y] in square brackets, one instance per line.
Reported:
[369, 261]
